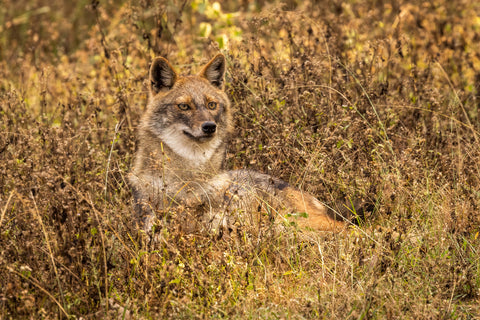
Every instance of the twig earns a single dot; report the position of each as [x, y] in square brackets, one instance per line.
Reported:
[6, 207]
[49, 249]
[459, 102]
[36, 284]
[117, 129]
[103, 251]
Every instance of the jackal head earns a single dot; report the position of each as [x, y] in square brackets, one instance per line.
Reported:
[190, 114]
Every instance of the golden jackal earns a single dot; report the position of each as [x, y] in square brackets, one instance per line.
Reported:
[181, 147]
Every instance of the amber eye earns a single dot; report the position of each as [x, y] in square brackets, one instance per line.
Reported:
[212, 105]
[183, 106]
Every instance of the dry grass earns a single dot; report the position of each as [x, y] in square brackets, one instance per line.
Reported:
[374, 100]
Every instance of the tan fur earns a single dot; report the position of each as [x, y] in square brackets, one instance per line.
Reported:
[181, 145]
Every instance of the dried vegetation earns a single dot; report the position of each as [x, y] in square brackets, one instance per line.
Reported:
[372, 100]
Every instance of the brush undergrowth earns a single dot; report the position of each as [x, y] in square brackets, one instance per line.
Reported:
[373, 100]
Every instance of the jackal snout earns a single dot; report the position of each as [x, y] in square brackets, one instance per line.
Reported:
[204, 132]
[209, 127]
[202, 129]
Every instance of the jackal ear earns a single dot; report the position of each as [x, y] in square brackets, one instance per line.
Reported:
[162, 75]
[214, 71]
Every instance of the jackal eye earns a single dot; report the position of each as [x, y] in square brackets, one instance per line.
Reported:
[212, 105]
[183, 106]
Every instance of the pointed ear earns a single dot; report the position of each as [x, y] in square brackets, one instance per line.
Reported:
[214, 71]
[162, 75]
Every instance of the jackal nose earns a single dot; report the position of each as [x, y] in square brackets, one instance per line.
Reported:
[209, 127]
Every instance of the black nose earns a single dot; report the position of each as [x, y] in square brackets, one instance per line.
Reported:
[209, 127]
